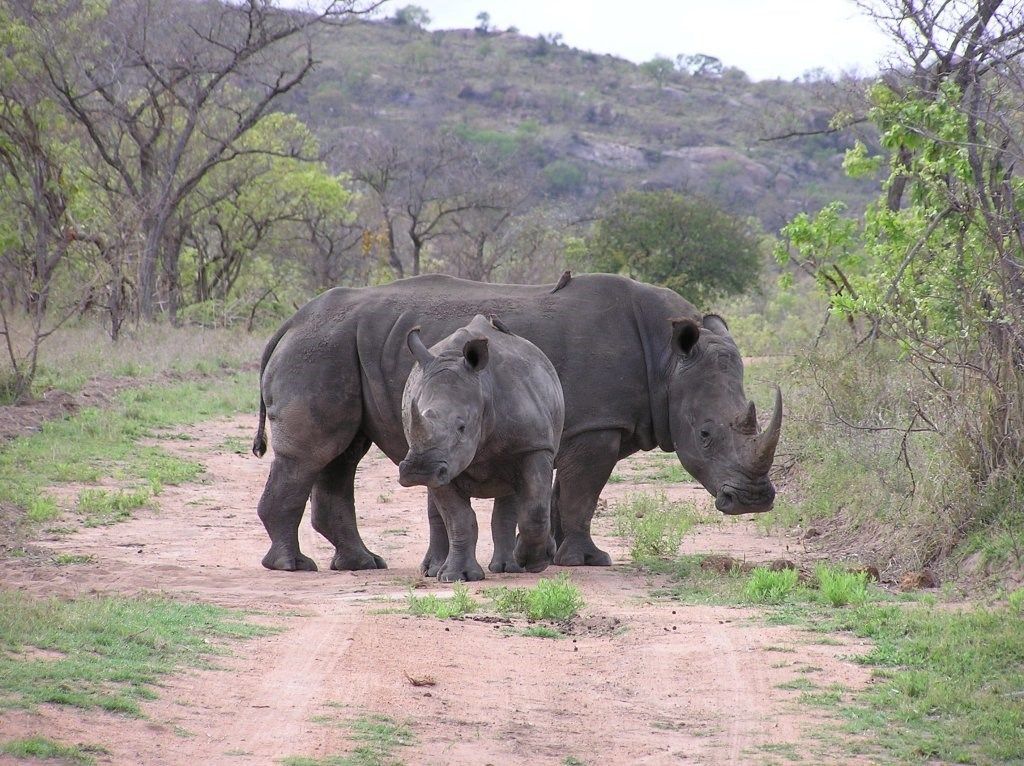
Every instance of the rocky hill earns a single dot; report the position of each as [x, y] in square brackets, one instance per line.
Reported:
[594, 123]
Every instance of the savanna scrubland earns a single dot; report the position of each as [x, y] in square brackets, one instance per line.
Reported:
[176, 181]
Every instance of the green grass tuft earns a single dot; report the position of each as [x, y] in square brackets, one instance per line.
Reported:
[104, 652]
[63, 559]
[377, 737]
[653, 526]
[768, 587]
[105, 443]
[459, 605]
[838, 587]
[102, 507]
[540, 631]
[555, 598]
[46, 749]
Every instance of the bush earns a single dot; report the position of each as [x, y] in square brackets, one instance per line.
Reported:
[768, 587]
[460, 604]
[654, 526]
[549, 599]
[839, 588]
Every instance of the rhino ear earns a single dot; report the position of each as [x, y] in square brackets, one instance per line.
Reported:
[716, 324]
[476, 354]
[685, 333]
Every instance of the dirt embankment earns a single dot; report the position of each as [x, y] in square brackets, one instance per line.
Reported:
[639, 680]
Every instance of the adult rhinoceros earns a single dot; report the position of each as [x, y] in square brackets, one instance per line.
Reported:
[640, 368]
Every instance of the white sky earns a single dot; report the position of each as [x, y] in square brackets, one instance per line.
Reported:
[764, 38]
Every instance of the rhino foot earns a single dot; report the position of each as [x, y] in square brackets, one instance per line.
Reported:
[579, 552]
[359, 560]
[454, 571]
[534, 558]
[504, 565]
[288, 562]
[431, 564]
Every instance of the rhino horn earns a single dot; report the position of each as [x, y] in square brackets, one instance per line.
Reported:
[748, 423]
[415, 343]
[768, 440]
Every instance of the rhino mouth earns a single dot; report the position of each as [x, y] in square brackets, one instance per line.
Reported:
[416, 474]
[733, 501]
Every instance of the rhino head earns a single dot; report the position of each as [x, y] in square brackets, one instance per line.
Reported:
[442, 411]
[714, 427]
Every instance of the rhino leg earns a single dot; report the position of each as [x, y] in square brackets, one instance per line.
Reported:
[334, 510]
[530, 507]
[587, 462]
[280, 510]
[437, 551]
[460, 521]
[503, 532]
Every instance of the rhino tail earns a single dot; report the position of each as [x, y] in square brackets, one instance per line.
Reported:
[259, 443]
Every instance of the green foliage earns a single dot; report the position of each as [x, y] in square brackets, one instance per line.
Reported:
[102, 507]
[838, 587]
[540, 631]
[654, 526]
[684, 243]
[103, 652]
[564, 177]
[768, 587]
[412, 16]
[951, 687]
[96, 443]
[550, 599]
[459, 605]
[48, 750]
[660, 68]
[376, 737]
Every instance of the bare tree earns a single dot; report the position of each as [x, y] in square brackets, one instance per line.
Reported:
[163, 93]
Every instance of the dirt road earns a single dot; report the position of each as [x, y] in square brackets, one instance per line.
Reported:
[640, 680]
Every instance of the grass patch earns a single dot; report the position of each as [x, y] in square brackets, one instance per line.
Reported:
[654, 526]
[377, 737]
[105, 443]
[46, 749]
[459, 605]
[106, 652]
[101, 507]
[838, 587]
[64, 559]
[540, 631]
[768, 587]
[555, 598]
[947, 685]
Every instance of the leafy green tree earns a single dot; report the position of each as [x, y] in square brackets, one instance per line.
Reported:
[412, 16]
[660, 68]
[684, 243]
[936, 265]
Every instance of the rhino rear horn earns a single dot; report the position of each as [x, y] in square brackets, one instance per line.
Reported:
[415, 343]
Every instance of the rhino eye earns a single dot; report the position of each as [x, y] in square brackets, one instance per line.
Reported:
[462, 428]
[705, 437]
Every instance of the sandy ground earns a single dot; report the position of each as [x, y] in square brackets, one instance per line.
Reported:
[640, 679]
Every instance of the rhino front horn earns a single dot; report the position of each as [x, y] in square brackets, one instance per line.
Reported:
[768, 440]
[415, 343]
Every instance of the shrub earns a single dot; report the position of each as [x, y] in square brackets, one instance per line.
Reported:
[839, 588]
[460, 604]
[768, 587]
[654, 526]
[551, 599]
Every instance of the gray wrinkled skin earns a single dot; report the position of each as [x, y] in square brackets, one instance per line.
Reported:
[639, 366]
[482, 412]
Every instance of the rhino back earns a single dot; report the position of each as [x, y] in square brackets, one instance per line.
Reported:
[606, 337]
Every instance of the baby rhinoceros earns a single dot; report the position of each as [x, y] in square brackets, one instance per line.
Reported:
[482, 411]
